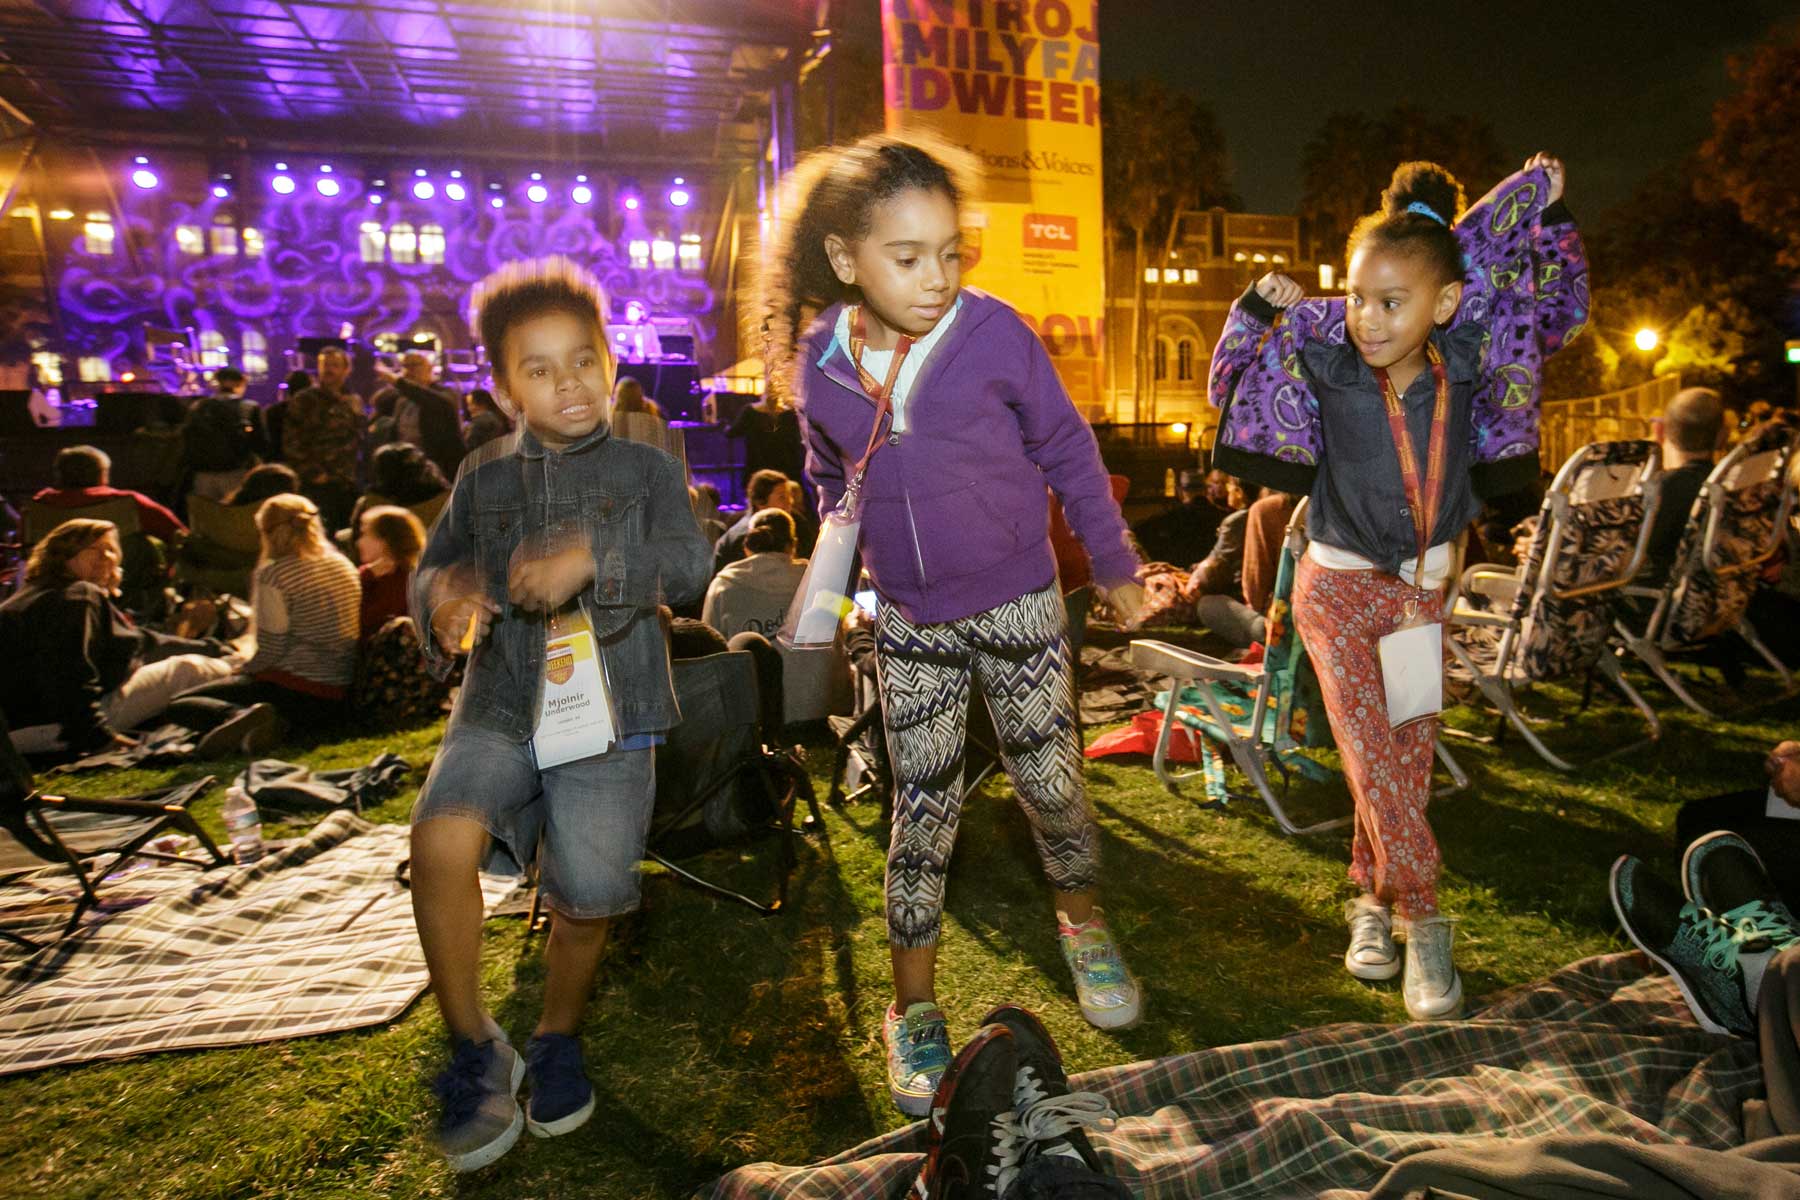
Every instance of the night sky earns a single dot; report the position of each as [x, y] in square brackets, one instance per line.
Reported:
[1617, 89]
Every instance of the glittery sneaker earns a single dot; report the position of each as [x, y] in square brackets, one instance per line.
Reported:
[1109, 996]
[918, 1051]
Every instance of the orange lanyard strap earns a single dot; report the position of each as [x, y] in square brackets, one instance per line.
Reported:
[881, 393]
[1422, 496]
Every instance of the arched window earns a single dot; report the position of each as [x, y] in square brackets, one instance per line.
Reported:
[256, 354]
[1160, 366]
[403, 242]
[1184, 360]
[372, 241]
[253, 242]
[190, 239]
[213, 352]
[97, 234]
[431, 243]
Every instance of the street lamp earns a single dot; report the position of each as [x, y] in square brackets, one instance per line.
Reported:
[1646, 339]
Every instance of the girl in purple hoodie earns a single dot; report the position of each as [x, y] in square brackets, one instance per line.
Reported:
[946, 405]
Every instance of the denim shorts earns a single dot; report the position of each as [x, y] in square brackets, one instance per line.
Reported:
[593, 815]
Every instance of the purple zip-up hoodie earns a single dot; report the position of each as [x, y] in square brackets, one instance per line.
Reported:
[956, 511]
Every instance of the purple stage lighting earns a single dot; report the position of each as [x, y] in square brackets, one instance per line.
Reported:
[456, 191]
[283, 184]
[220, 191]
[632, 203]
[326, 186]
[497, 201]
[419, 171]
[537, 193]
[456, 174]
[679, 197]
[143, 176]
[374, 197]
[582, 194]
[424, 189]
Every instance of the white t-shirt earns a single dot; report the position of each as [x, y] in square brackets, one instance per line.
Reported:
[1774, 806]
[1437, 563]
[877, 362]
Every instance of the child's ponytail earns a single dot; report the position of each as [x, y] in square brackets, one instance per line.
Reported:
[1418, 210]
[833, 191]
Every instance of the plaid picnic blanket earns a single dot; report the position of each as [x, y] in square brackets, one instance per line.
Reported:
[1604, 1046]
[317, 937]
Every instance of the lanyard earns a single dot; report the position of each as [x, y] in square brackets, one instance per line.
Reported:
[1422, 497]
[881, 393]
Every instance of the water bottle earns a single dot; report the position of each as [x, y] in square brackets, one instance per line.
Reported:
[244, 824]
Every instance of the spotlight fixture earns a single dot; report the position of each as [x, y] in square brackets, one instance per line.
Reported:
[679, 181]
[424, 189]
[220, 191]
[326, 186]
[143, 176]
[582, 194]
[325, 169]
[456, 174]
[679, 197]
[456, 191]
[496, 202]
[537, 193]
[374, 197]
[419, 171]
[283, 184]
[632, 204]
[537, 174]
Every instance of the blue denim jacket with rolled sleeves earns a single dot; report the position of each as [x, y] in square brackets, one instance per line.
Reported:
[630, 502]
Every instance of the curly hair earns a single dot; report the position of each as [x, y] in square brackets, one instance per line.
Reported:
[835, 191]
[49, 561]
[521, 291]
[1398, 225]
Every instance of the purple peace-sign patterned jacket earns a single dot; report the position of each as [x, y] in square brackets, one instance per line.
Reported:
[1526, 285]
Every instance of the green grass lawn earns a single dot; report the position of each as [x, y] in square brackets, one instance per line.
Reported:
[719, 1038]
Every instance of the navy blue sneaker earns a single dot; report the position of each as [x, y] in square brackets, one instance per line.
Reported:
[480, 1120]
[562, 1099]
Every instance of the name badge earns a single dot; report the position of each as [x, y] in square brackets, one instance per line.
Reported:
[1412, 672]
[575, 718]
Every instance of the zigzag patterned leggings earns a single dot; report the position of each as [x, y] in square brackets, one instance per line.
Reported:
[1018, 655]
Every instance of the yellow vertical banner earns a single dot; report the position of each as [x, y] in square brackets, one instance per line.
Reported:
[1017, 82]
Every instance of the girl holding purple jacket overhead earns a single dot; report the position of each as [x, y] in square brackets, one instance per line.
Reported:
[1396, 410]
[953, 403]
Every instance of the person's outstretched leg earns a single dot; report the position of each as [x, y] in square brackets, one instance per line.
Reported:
[1024, 668]
[923, 672]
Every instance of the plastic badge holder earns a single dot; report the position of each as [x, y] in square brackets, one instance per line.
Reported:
[1412, 672]
[575, 717]
[824, 595]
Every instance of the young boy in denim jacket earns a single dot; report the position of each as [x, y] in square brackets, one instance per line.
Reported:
[557, 527]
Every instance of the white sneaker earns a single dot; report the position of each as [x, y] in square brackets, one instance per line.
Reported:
[1372, 953]
[1433, 989]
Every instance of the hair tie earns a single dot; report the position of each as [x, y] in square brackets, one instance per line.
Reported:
[1425, 210]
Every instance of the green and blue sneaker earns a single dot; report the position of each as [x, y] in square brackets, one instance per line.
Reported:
[918, 1051]
[1109, 996]
[1706, 956]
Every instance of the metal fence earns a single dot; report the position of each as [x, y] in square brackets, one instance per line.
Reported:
[1569, 425]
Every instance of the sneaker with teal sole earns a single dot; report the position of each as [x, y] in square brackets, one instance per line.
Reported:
[918, 1051]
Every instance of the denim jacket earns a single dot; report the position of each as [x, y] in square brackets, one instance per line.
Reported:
[629, 503]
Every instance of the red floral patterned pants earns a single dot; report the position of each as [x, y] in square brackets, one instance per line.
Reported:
[1342, 617]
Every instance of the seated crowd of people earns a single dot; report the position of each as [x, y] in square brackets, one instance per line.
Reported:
[274, 595]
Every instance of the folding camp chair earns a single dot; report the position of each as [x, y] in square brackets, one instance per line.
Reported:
[1551, 617]
[1734, 528]
[1217, 698]
[711, 771]
[76, 833]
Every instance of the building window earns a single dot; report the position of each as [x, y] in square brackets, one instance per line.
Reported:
[190, 239]
[688, 252]
[431, 244]
[1150, 275]
[639, 253]
[662, 253]
[372, 241]
[253, 242]
[403, 243]
[1161, 357]
[256, 354]
[97, 236]
[1190, 275]
[95, 369]
[224, 238]
[213, 352]
[1184, 360]
[1171, 275]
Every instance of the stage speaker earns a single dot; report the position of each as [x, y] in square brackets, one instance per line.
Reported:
[127, 412]
[727, 406]
[678, 346]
